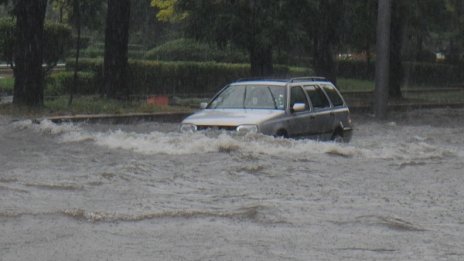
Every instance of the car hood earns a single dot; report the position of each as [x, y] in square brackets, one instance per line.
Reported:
[232, 117]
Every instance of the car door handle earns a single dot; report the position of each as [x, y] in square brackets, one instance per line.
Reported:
[332, 114]
[312, 117]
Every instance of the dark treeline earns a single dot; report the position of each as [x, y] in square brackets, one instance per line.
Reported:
[310, 33]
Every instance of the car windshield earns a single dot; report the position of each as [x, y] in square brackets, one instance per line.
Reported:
[250, 97]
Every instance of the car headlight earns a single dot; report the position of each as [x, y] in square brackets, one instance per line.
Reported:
[187, 127]
[247, 129]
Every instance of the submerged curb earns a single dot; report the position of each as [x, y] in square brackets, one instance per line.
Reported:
[122, 118]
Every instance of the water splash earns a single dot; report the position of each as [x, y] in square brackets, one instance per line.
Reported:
[411, 147]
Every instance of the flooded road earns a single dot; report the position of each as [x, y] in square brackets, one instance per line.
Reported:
[148, 192]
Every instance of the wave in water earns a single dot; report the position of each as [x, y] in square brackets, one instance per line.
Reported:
[247, 213]
[175, 143]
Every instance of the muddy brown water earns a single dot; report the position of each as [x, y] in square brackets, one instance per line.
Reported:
[147, 192]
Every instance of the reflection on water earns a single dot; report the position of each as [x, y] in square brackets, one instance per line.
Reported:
[147, 191]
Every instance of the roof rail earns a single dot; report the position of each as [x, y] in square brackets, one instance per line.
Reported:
[260, 79]
[309, 78]
[291, 80]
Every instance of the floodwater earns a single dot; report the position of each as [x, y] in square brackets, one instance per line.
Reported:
[148, 192]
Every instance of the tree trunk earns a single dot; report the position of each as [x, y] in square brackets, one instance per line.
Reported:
[77, 10]
[116, 49]
[396, 44]
[261, 61]
[382, 65]
[29, 86]
[323, 60]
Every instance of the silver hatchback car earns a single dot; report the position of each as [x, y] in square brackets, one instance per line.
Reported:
[300, 107]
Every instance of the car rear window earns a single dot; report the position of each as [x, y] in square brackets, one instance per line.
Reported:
[333, 95]
[317, 97]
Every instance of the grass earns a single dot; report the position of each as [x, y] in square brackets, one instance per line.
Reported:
[6, 84]
[353, 85]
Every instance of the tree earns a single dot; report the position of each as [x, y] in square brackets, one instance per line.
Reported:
[28, 57]
[383, 58]
[408, 20]
[360, 33]
[77, 21]
[144, 29]
[257, 26]
[454, 28]
[323, 23]
[396, 45]
[116, 49]
[80, 14]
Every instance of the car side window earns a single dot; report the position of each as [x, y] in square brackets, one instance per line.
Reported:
[317, 97]
[333, 95]
[297, 95]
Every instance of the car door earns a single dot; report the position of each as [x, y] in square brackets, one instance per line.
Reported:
[321, 112]
[340, 112]
[298, 122]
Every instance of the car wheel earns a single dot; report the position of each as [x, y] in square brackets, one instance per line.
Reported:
[338, 136]
[281, 133]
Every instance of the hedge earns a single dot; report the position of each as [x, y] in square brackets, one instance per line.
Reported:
[156, 77]
[60, 83]
[191, 50]
[415, 73]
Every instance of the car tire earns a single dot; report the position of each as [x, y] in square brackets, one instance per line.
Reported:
[337, 136]
[281, 134]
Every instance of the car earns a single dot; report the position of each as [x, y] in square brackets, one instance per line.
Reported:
[310, 107]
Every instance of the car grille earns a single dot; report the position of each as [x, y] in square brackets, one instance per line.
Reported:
[207, 127]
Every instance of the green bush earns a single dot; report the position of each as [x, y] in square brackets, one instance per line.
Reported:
[61, 83]
[191, 50]
[156, 77]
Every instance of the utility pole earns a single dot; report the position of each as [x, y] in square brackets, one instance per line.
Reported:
[382, 64]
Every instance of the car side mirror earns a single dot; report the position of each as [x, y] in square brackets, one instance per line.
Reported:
[298, 107]
[203, 105]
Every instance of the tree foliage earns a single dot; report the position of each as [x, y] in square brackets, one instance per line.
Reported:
[256, 26]
[166, 10]
[91, 12]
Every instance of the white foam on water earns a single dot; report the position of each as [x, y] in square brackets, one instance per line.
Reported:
[176, 143]
[47, 127]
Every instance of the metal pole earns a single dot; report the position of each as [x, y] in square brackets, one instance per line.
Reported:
[382, 70]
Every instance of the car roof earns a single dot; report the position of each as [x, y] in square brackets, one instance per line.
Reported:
[282, 82]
